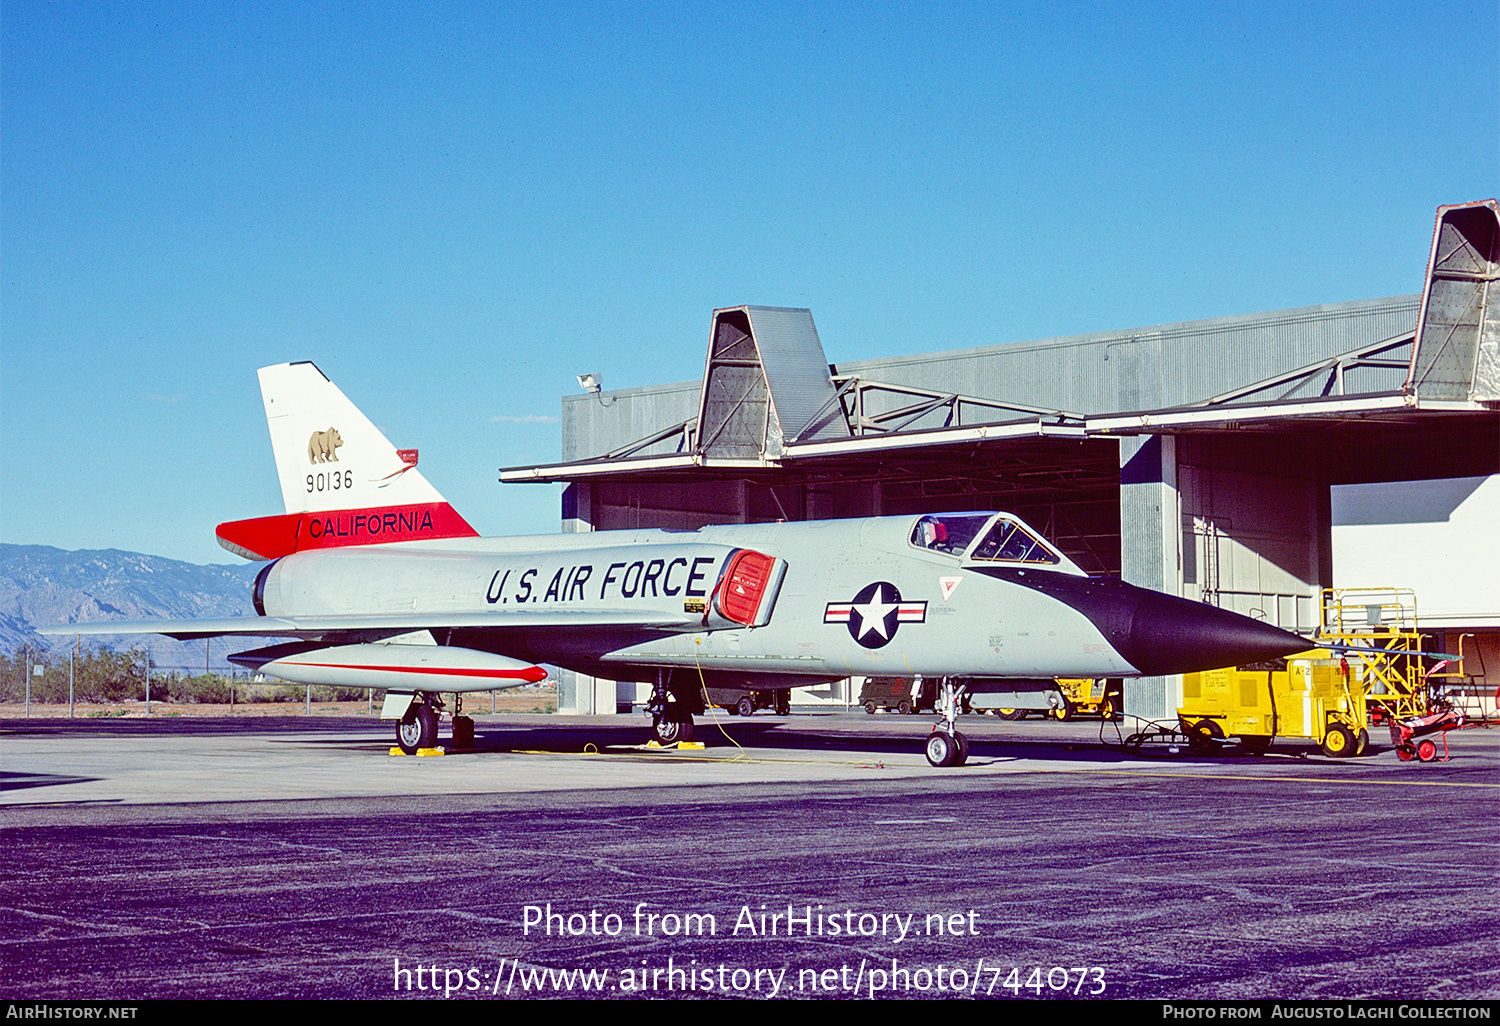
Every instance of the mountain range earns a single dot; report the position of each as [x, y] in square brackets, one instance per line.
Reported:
[41, 585]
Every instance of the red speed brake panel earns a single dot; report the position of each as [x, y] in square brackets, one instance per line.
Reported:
[744, 586]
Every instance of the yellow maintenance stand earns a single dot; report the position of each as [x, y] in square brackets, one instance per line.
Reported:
[1381, 622]
[1317, 697]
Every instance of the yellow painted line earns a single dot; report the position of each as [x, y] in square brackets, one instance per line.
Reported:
[1019, 763]
[1269, 777]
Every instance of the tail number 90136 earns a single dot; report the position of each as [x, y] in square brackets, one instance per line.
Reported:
[330, 482]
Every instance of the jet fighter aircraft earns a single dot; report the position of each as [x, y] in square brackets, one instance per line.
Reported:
[378, 582]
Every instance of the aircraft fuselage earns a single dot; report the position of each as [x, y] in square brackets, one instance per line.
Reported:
[849, 597]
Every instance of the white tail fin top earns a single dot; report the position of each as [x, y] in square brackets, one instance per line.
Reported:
[328, 454]
[342, 481]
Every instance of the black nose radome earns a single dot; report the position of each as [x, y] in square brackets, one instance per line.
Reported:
[1157, 633]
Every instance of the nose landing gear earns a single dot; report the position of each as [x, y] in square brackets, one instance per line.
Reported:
[945, 745]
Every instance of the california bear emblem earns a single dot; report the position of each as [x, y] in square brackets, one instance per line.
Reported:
[322, 446]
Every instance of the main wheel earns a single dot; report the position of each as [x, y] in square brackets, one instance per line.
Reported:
[746, 706]
[1338, 742]
[671, 730]
[1426, 750]
[417, 729]
[941, 749]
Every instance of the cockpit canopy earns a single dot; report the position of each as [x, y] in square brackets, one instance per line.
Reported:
[1009, 541]
[987, 536]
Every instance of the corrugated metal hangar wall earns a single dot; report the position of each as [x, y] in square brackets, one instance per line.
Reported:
[1194, 458]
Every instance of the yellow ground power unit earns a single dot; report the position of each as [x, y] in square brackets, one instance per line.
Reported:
[1318, 697]
[1088, 696]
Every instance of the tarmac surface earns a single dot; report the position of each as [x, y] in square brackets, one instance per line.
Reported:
[811, 856]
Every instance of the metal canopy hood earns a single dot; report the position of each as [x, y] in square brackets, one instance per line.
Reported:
[766, 383]
[1457, 355]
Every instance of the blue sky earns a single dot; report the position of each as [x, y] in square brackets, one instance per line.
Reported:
[455, 208]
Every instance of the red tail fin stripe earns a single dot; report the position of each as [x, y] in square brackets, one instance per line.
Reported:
[277, 536]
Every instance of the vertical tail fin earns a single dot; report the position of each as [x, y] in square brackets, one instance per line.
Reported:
[342, 481]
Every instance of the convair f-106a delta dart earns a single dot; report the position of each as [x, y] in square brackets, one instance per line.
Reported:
[379, 583]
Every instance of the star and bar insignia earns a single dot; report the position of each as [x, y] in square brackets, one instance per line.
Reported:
[875, 614]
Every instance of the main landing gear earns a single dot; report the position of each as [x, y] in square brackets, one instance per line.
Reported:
[671, 718]
[945, 745]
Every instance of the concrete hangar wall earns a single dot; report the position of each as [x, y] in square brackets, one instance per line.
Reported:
[1205, 459]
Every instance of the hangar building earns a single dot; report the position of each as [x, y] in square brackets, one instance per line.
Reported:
[1249, 462]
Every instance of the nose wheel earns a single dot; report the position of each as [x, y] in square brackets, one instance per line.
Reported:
[945, 749]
